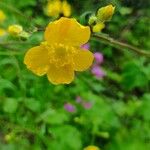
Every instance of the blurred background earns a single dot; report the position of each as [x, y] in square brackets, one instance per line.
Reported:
[107, 106]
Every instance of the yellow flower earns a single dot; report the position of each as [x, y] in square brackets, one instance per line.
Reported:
[98, 27]
[105, 13]
[53, 8]
[2, 16]
[15, 30]
[66, 9]
[60, 55]
[57, 7]
[92, 147]
[2, 32]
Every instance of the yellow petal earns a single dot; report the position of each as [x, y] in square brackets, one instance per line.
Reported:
[67, 31]
[37, 60]
[92, 147]
[54, 8]
[98, 27]
[60, 75]
[83, 60]
[66, 9]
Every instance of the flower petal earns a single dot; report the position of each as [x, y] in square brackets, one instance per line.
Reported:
[83, 60]
[60, 75]
[37, 60]
[67, 31]
[66, 8]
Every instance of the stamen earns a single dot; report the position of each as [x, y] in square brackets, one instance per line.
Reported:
[60, 54]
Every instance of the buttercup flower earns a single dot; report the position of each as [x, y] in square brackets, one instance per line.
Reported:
[60, 55]
[2, 16]
[15, 30]
[92, 147]
[66, 9]
[57, 7]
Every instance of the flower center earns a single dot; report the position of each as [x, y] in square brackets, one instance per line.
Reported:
[60, 54]
[60, 51]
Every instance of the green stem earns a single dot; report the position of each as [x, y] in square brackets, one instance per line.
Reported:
[120, 45]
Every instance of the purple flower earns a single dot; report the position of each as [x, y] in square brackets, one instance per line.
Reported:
[87, 105]
[97, 71]
[69, 107]
[98, 57]
[85, 46]
[78, 99]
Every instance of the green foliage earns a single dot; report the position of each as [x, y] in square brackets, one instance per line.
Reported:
[67, 136]
[10, 105]
[32, 114]
[134, 76]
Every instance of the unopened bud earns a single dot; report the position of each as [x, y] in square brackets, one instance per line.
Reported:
[15, 30]
[8, 137]
[92, 20]
[98, 27]
[105, 13]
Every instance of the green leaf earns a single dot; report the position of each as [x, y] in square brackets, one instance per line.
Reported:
[32, 104]
[10, 105]
[133, 76]
[125, 10]
[6, 84]
[67, 136]
[52, 116]
[145, 107]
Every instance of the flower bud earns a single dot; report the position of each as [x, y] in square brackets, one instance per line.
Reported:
[105, 13]
[92, 20]
[98, 27]
[15, 30]
[8, 137]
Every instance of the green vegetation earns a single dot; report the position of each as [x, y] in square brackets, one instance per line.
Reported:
[32, 111]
